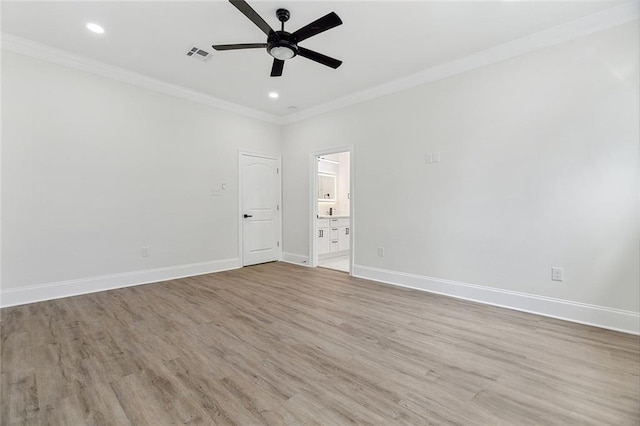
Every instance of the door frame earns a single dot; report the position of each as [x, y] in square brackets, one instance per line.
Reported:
[242, 153]
[313, 202]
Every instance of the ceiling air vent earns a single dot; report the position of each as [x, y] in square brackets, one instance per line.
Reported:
[197, 53]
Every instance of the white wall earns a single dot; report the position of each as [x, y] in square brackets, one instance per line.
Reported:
[539, 169]
[330, 168]
[93, 170]
[341, 206]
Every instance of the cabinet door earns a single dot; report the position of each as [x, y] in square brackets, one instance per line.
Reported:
[344, 238]
[323, 240]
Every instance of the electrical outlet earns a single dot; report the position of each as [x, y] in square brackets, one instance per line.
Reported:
[145, 251]
[381, 251]
[557, 274]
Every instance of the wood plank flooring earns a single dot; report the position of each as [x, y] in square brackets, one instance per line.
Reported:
[281, 344]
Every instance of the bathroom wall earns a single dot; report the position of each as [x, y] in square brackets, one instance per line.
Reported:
[341, 170]
[344, 166]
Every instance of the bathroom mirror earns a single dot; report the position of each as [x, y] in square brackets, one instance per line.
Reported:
[326, 187]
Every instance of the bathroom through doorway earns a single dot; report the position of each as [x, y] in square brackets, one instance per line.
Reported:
[333, 211]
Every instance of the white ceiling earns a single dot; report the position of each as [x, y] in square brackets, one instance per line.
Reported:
[379, 41]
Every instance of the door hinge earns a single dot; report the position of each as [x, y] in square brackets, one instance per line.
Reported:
[278, 207]
[277, 170]
[278, 243]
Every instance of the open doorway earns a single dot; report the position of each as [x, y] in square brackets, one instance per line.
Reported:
[333, 236]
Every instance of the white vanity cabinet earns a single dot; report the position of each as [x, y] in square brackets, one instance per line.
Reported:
[333, 235]
[333, 231]
[323, 236]
[344, 237]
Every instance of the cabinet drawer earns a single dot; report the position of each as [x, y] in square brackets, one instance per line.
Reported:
[334, 233]
[344, 221]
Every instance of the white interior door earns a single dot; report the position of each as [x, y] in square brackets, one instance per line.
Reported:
[260, 209]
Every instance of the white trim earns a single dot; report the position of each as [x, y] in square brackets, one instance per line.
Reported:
[599, 316]
[43, 52]
[59, 289]
[313, 204]
[278, 158]
[584, 26]
[296, 259]
[1, 174]
[352, 208]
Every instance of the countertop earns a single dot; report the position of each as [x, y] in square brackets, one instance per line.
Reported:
[335, 216]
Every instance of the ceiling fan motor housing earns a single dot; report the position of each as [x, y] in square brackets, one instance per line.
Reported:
[282, 45]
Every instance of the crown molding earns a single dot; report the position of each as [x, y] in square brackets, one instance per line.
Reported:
[608, 18]
[43, 52]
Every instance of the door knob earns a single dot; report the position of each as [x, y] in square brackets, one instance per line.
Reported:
[247, 215]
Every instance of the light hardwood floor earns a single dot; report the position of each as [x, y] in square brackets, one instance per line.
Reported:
[281, 344]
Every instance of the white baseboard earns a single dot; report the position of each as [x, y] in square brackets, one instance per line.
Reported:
[296, 259]
[598, 316]
[59, 289]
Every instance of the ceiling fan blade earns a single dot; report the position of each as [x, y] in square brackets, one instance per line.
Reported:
[248, 11]
[325, 23]
[319, 57]
[239, 46]
[276, 69]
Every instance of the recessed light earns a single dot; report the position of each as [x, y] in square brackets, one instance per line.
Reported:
[273, 95]
[93, 27]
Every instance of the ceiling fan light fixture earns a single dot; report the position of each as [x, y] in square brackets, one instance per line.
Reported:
[282, 52]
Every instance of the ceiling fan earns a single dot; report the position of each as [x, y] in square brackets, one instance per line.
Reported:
[283, 45]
